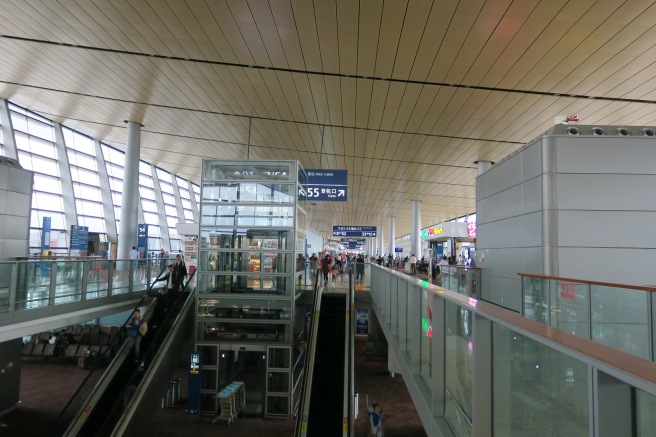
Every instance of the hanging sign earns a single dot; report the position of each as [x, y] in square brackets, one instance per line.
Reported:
[327, 185]
[354, 231]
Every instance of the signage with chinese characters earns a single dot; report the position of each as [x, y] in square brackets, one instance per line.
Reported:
[353, 240]
[471, 229]
[354, 231]
[432, 231]
[330, 185]
[193, 384]
[398, 249]
[567, 290]
[79, 240]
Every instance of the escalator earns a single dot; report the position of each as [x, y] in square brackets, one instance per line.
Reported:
[327, 406]
[97, 413]
[326, 409]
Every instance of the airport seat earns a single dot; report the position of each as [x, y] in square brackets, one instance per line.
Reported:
[38, 349]
[49, 350]
[27, 349]
[71, 350]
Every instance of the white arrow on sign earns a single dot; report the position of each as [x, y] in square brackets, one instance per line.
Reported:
[341, 193]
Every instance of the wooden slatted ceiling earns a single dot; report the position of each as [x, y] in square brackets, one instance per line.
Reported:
[399, 140]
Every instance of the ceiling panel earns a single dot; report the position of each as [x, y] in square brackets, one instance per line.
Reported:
[406, 95]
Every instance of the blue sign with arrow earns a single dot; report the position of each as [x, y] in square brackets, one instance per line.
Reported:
[327, 185]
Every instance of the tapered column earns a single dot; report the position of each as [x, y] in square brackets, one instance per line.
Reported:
[127, 233]
[392, 237]
[415, 243]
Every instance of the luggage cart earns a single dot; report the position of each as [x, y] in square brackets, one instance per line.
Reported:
[231, 401]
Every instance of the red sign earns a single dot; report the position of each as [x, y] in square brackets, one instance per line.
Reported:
[471, 229]
[568, 290]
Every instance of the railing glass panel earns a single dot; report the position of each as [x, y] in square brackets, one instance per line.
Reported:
[459, 368]
[536, 390]
[620, 318]
[5, 283]
[609, 314]
[426, 363]
[645, 417]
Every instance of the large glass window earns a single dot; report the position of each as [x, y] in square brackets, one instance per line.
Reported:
[37, 151]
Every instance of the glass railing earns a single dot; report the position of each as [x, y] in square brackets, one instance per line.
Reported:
[473, 368]
[615, 315]
[461, 279]
[42, 283]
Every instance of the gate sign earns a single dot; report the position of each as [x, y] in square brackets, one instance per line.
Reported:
[353, 240]
[330, 185]
[354, 231]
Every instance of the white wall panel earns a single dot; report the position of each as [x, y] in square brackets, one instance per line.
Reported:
[506, 174]
[531, 161]
[4, 175]
[17, 203]
[611, 154]
[531, 261]
[532, 195]
[481, 213]
[606, 192]
[531, 230]
[16, 227]
[620, 265]
[500, 234]
[606, 229]
[502, 291]
[20, 181]
[481, 187]
[507, 203]
[3, 201]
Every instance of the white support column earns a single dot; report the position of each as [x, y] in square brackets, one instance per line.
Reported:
[194, 205]
[8, 140]
[415, 235]
[392, 237]
[483, 166]
[68, 194]
[178, 199]
[380, 241]
[161, 212]
[130, 197]
[106, 195]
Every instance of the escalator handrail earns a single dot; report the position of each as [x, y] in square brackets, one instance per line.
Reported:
[110, 347]
[155, 362]
[301, 419]
[109, 376]
[349, 393]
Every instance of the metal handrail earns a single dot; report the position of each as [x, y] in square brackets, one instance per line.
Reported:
[301, 419]
[587, 281]
[118, 358]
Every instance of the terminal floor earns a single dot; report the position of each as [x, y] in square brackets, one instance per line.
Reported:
[46, 386]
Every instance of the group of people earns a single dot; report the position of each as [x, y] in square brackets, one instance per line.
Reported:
[166, 296]
[334, 265]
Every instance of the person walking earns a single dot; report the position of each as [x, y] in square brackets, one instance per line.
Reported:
[413, 264]
[137, 328]
[180, 269]
[359, 268]
[376, 421]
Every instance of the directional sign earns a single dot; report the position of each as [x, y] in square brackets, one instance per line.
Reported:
[353, 240]
[354, 231]
[330, 185]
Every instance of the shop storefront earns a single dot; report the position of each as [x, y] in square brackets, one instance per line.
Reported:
[452, 239]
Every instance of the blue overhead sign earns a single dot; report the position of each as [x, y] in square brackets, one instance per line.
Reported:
[353, 240]
[354, 231]
[328, 185]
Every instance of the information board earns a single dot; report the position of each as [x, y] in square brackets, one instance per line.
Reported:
[79, 240]
[327, 185]
[354, 231]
